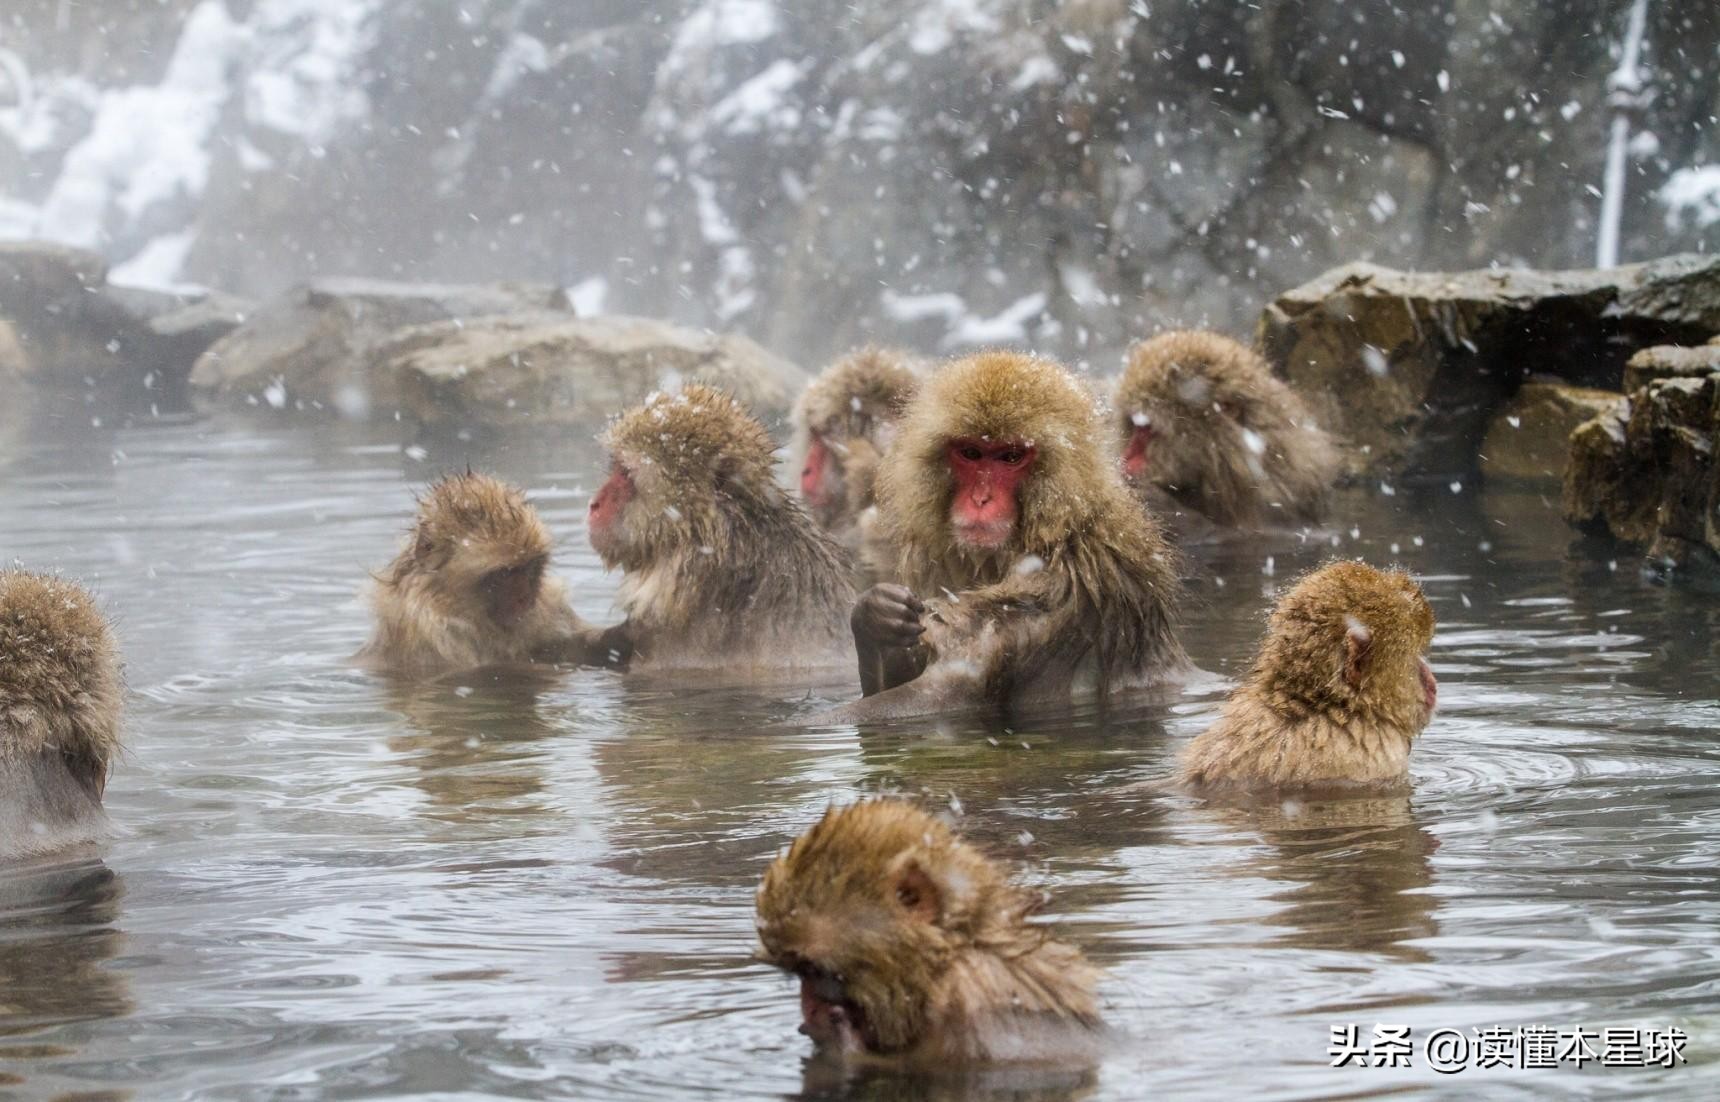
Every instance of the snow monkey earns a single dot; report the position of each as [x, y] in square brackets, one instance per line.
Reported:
[1337, 694]
[911, 944]
[1206, 425]
[721, 567]
[1030, 572]
[843, 424]
[60, 701]
[471, 588]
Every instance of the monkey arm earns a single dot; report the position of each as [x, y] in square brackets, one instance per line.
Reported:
[576, 642]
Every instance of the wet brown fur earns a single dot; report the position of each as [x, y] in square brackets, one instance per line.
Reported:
[1298, 722]
[1199, 392]
[1085, 587]
[852, 406]
[722, 566]
[61, 695]
[961, 975]
[431, 615]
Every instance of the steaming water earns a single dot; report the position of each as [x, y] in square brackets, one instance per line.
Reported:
[327, 886]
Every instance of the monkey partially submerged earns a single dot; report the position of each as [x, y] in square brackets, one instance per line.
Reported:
[1030, 572]
[1207, 427]
[1337, 695]
[60, 701]
[721, 567]
[844, 423]
[472, 588]
[911, 944]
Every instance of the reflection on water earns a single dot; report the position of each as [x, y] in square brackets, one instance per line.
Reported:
[541, 886]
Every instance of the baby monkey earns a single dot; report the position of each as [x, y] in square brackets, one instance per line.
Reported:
[472, 588]
[1207, 427]
[910, 944]
[844, 422]
[60, 700]
[1337, 695]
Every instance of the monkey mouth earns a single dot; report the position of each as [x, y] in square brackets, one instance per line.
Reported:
[828, 1016]
[986, 535]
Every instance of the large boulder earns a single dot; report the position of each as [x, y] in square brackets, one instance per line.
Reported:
[1644, 472]
[1529, 440]
[1410, 368]
[498, 371]
[71, 329]
[313, 350]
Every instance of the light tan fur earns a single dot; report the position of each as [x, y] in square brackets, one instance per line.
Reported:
[722, 567]
[1336, 696]
[1230, 440]
[431, 613]
[927, 940]
[61, 695]
[1084, 592]
[853, 406]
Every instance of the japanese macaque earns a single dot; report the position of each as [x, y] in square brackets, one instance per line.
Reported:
[1207, 427]
[721, 567]
[910, 944]
[471, 588]
[844, 423]
[1338, 693]
[1030, 573]
[60, 701]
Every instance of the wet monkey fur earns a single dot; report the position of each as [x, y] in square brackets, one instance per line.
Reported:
[1338, 693]
[910, 944]
[1028, 570]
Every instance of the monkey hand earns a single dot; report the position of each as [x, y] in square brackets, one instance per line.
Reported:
[888, 616]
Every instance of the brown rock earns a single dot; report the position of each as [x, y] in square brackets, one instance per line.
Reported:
[498, 371]
[312, 350]
[1670, 361]
[1411, 368]
[1530, 438]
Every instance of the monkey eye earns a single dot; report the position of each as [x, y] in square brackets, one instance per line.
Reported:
[970, 452]
[908, 896]
[1013, 457]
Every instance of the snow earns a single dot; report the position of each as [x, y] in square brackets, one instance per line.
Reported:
[157, 264]
[1008, 327]
[939, 22]
[589, 296]
[721, 23]
[762, 103]
[1692, 193]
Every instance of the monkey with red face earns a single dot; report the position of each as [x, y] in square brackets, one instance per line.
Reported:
[1030, 572]
[844, 423]
[721, 567]
[1214, 443]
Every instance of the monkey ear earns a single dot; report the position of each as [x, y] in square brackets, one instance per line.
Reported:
[917, 893]
[421, 546]
[1231, 410]
[1358, 652]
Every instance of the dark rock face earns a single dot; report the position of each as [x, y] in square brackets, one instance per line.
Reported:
[71, 330]
[1644, 471]
[1410, 368]
[1529, 439]
[825, 172]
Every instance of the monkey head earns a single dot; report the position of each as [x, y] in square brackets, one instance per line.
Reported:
[1203, 416]
[856, 399]
[1350, 638]
[60, 685]
[997, 456]
[681, 467]
[481, 549]
[898, 929]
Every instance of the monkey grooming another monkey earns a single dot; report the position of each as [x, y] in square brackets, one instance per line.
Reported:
[471, 589]
[910, 944]
[843, 425]
[721, 567]
[1207, 427]
[1337, 694]
[1030, 572]
[60, 701]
